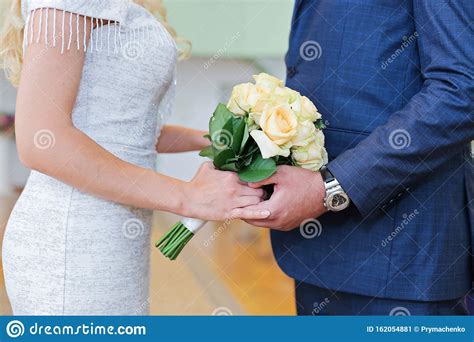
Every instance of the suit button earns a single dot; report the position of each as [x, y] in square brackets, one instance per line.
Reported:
[291, 72]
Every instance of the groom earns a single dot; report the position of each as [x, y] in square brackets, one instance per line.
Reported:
[386, 229]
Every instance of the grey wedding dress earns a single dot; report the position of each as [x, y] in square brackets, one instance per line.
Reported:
[66, 252]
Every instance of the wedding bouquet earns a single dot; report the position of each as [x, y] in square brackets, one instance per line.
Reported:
[263, 125]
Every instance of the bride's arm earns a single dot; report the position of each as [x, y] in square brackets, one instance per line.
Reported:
[175, 139]
[49, 143]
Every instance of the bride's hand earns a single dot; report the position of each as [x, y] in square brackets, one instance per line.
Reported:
[219, 195]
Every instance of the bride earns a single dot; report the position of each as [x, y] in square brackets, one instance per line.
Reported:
[96, 81]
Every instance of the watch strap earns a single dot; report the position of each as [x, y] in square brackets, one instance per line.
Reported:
[326, 174]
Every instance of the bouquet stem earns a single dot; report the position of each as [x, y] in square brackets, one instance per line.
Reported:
[172, 243]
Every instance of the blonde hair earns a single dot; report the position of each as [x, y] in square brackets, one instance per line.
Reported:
[11, 37]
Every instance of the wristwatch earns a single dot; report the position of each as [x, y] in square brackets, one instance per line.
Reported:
[336, 198]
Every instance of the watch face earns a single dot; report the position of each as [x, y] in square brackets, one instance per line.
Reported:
[338, 201]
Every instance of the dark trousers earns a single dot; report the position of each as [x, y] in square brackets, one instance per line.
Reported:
[313, 300]
[470, 302]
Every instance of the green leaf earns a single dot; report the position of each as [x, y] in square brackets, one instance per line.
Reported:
[258, 170]
[239, 131]
[223, 138]
[245, 138]
[233, 160]
[229, 167]
[250, 152]
[207, 136]
[246, 161]
[223, 158]
[250, 148]
[219, 119]
[207, 152]
[320, 124]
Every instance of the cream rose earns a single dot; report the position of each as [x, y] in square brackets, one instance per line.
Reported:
[309, 110]
[279, 97]
[280, 124]
[301, 105]
[312, 156]
[267, 147]
[264, 101]
[267, 81]
[244, 96]
[305, 133]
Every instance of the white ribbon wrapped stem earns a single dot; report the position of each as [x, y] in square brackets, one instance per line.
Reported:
[192, 224]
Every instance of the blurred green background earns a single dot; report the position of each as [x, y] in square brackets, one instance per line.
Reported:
[233, 28]
[230, 28]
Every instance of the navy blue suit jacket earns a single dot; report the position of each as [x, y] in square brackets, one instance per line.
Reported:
[395, 81]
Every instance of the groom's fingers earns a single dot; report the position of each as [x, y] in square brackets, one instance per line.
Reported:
[250, 214]
[259, 223]
[246, 201]
[246, 191]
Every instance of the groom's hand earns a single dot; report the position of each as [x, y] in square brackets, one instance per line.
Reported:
[298, 195]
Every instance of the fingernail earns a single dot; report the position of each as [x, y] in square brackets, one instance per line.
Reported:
[265, 213]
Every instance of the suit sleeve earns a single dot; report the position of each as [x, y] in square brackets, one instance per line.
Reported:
[434, 125]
